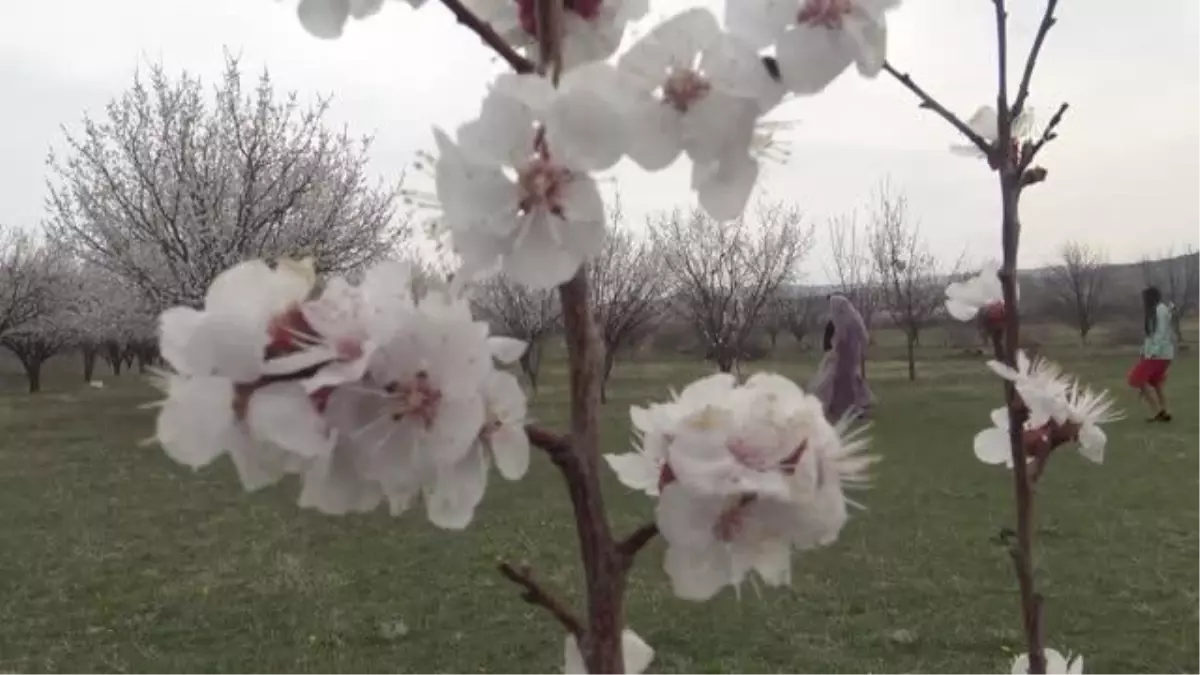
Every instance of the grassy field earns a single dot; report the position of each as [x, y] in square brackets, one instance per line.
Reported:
[112, 558]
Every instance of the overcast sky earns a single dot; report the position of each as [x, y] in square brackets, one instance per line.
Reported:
[1124, 172]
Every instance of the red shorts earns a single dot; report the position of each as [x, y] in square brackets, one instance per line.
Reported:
[1151, 372]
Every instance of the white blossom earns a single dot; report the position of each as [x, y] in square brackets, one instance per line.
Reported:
[1041, 385]
[992, 445]
[965, 299]
[746, 473]
[691, 88]
[637, 654]
[516, 188]
[217, 398]
[986, 123]
[1088, 409]
[327, 19]
[369, 392]
[815, 40]
[1056, 664]
[1060, 410]
[591, 29]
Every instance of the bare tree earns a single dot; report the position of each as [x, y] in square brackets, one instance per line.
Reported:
[1077, 286]
[854, 271]
[168, 189]
[522, 313]
[791, 311]
[721, 275]
[1177, 277]
[627, 284]
[911, 288]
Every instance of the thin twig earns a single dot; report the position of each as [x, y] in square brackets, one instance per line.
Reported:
[928, 101]
[489, 36]
[1048, 21]
[536, 595]
[555, 445]
[636, 541]
[1048, 134]
[1003, 118]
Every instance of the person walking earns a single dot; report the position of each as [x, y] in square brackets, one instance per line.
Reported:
[839, 382]
[1149, 374]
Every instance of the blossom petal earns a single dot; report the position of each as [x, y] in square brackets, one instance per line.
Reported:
[335, 485]
[450, 503]
[811, 57]
[193, 421]
[283, 414]
[635, 471]
[324, 19]
[696, 575]
[506, 350]
[672, 44]
[723, 187]
[1091, 443]
[582, 125]
[504, 132]
[992, 446]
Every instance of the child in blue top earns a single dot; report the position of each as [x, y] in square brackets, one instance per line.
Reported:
[1158, 349]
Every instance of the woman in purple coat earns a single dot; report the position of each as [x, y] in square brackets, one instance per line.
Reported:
[839, 381]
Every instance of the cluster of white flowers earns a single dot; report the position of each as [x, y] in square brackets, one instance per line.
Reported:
[366, 391]
[966, 299]
[1059, 410]
[515, 185]
[743, 475]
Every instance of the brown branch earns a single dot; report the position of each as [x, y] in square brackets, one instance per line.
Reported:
[1048, 20]
[489, 36]
[604, 576]
[555, 445]
[636, 541]
[536, 595]
[1048, 134]
[927, 101]
[1003, 118]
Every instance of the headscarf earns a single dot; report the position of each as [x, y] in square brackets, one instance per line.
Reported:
[848, 323]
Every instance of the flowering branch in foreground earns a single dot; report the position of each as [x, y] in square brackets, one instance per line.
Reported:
[1043, 410]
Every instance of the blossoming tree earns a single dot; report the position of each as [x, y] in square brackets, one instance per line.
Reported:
[377, 394]
[167, 189]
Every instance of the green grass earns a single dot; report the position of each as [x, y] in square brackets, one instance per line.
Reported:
[112, 558]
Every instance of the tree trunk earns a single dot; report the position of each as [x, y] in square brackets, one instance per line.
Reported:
[531, 362]
[89, 363]
[609, 360]
[33, 374]
[912, 356]
[725, 362]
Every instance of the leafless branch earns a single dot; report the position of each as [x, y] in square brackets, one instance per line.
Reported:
[631, 545]
[534, 594]
[1035, 50]
[489, 36]
[929, 102]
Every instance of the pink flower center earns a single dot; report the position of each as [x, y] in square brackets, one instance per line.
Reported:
[540, 184]
[348, 349]
[417, 398]
[283, 330]
[683, 88]
[527, 10]
[827, 13]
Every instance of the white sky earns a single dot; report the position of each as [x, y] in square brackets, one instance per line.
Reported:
[1124, 173]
